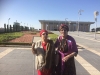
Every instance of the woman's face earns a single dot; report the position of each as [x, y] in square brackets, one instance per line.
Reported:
[63, 32]
[44, 35]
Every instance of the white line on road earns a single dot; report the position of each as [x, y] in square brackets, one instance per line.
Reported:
[87, 48]
[91, 70]
[2, 54]
[87, 38]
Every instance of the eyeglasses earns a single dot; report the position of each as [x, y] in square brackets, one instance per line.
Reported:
[63, 30]
[44, 34]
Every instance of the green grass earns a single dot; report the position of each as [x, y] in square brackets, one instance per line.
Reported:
[53, 37]
[8, 36]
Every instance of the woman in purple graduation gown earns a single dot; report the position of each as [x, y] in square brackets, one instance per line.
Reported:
[66, 49]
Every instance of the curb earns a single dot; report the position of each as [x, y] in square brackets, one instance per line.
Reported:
[25, 46]
[15, 44]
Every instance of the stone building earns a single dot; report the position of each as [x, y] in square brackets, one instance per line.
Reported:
[73, 25]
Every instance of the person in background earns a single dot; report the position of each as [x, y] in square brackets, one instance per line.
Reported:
[44, 51]
[66, 49]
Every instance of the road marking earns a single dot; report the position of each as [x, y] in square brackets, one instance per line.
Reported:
[87, 38]
[2, 54]
[90, 69]
[87, 48]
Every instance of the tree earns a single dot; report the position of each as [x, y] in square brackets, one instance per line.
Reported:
[5, 28]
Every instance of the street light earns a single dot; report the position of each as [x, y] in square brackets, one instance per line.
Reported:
[96, 13]
[65, 20]
[69, 25]
[30, 26]
[24, 24]
[57, 27]
[8, 21]
[79, 12]
[46, 27]
[27, 26]
[20, 23]
[8, 24]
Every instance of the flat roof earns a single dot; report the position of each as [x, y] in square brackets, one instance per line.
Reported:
[55, 21]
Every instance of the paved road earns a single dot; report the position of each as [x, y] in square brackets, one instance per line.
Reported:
[16, 61]
[87, 35]
[20, 61]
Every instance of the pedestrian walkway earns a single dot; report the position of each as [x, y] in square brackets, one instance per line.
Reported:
[20, 61]
[87, 63]
[16, 61]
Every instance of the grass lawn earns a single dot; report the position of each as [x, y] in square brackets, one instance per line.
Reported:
[53, 37]
[8, 36]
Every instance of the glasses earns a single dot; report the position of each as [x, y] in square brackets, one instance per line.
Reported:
[44, 34]
[63, 30]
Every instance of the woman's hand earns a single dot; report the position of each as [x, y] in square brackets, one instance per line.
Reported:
[33, 45]
[69, 56]
[33, 49]
[64, 59]
[56, 49]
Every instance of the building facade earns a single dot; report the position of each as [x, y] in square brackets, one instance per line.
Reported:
[73, 25]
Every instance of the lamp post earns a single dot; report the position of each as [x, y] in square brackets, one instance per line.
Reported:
[65, 20]
[8, 23]
[20, 26]
[20, 23]
[69, 25]
[30, 26]
[79, 12]
[8, 26]
[96, 13]
[27, 24]
[57, 27]
[46, 27]
[24, 26]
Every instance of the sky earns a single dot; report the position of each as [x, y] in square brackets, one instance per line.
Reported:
[31, 11]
